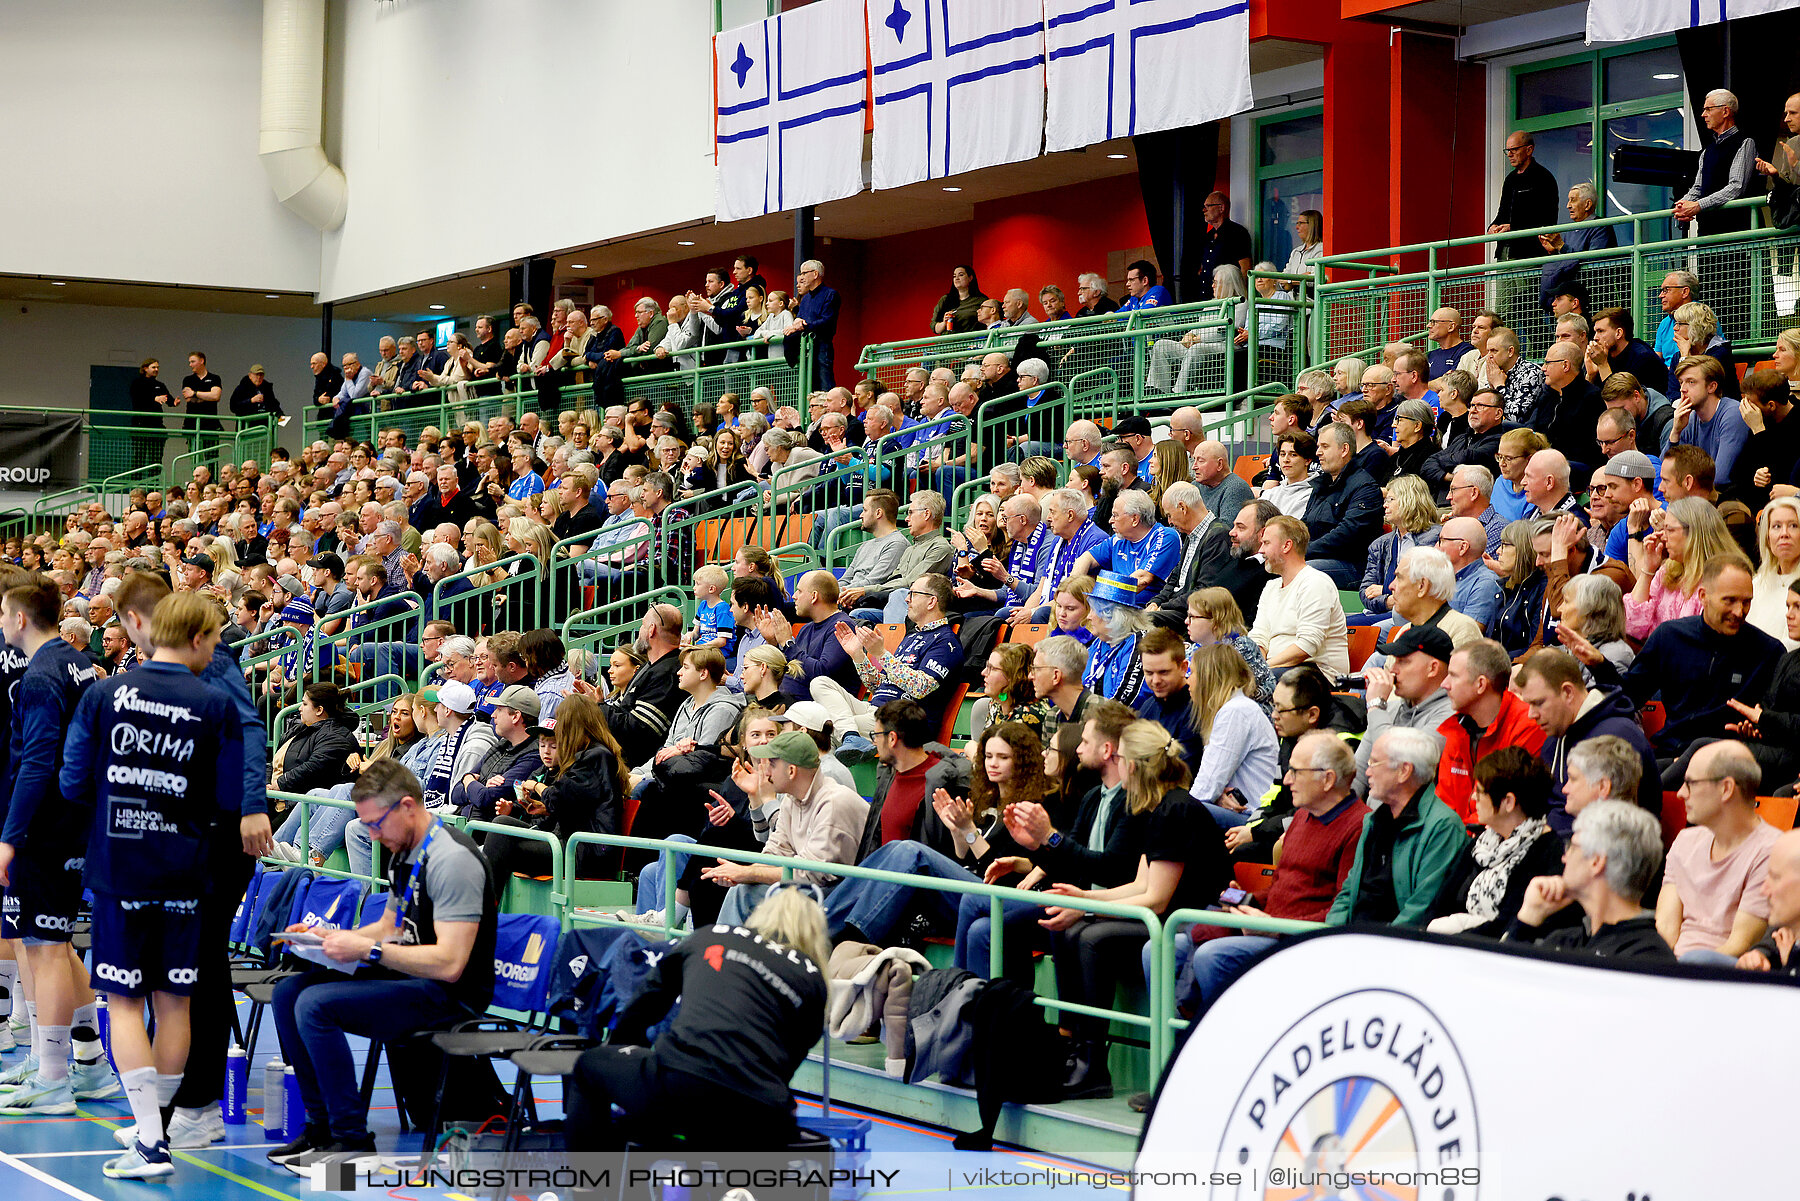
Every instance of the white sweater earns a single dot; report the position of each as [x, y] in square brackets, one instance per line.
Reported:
[1306, 613]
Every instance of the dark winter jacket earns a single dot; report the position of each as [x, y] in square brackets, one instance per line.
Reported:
[1602, 713]
[318, 756]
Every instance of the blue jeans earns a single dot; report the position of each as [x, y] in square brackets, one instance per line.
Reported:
[1026, 450]
[1213, 965]
[974, 932]
[1706, 957]
[876, 907]
[325, 826]
[650, 887]
[1225, 817]
[315, 1009]
[830, 520]
[360, 847]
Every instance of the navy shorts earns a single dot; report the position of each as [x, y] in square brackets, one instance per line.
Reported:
[44, 900]
[141, 947]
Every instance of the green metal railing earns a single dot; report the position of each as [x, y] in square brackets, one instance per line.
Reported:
[1184, 350]
[447, 408]
[692, 387]
[1366, 299]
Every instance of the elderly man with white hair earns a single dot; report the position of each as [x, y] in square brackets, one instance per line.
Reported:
[1411, 841]
[1038, 434]
[1139, 548]
[1727, 170]
[1223, 490]
[1083, 443]
[1205, 545]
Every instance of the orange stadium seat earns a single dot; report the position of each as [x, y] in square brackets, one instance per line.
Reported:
[1362, 645]
[1255, 878]
[1778, 811]
[1029, 635]
[891, 634]
[1652, 717]
[1674, 817]
[1248, 467]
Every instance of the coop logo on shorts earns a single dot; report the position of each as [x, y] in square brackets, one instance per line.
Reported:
[50, 921]
[182, 975]
[118, 975]
[1367, 1095]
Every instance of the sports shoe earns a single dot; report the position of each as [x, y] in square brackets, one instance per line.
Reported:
[184, 1133]
[41, 1097]
[94, 1081]
[283, 420]
[653, 917]
[141, 1163]
[310, 1140]
[287, 851]
[7, 1041]
[357, 1151]
[20, 1074]
[20, 1027]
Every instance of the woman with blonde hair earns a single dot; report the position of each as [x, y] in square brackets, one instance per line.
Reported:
[1346, 377]
[763, 669]
[1213, 616]
[1668, 564]
[1183, 865]
[1239, 764]
[1786, 356]
[1169, 464]
[1413, 516]
[1696, 331]
[1516, 448]
[1069, 608]
[1778, 539]
[752, 1006]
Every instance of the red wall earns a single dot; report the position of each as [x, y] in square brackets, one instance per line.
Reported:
[889, 285]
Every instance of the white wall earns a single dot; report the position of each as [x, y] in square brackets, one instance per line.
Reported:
[476, 133]
[52, 346]
[130, 147]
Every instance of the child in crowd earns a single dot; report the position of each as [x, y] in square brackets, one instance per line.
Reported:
[713, 622]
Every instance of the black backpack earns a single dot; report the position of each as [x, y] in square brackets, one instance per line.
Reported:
[979, 634]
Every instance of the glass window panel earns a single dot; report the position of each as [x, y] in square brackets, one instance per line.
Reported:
[1293, 141]
[1662, 129]
[1567, 89]
[1569, 155]
[1642, 75]
[1283, 200]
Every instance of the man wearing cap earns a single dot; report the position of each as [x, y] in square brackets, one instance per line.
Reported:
[255, 394]
[197, 572]
[513, 759]
[305, 655]
[465, 747]
[1135, 433]
[1630, 475]
[818, 820]
[1409, 692]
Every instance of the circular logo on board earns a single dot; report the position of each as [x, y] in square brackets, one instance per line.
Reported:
[1364, 1097]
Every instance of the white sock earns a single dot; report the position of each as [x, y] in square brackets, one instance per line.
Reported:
[166, 1088]
[85, 1034]
[9, 980]
[53, 1053]
[31, 1018]
[140, 1092]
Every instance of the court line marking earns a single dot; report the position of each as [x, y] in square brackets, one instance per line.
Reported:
[43, 1177]
[185, 1157]
[105, 1151]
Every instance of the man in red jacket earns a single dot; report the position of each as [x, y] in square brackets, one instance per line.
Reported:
[1316, 854]
[1487, 718]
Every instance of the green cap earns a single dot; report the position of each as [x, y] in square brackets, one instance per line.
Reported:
[795, 746]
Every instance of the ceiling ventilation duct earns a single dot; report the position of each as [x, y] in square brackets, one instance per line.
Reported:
[293, 113]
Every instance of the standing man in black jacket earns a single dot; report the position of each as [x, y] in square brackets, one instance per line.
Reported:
[1528, 199]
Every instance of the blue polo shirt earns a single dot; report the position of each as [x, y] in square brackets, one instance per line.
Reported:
[1154, 297]
[1158, 552]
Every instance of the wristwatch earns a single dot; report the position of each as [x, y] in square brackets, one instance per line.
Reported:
[1055, 839]
[374, 955]
[969, 836]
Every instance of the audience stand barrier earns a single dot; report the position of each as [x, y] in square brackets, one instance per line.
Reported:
[1366, 299]
[689, 385]
[1155, 1023]
[386, 642]
[616, 621]
[306, 804]
[1163, 982]
[515, 601]
[445, 407]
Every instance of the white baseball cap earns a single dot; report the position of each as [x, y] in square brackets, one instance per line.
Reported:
[457, 697]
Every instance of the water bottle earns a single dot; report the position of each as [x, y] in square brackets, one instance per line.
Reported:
[237, 1085]
[103, 1019]
[272, 1085]
[293, 1109]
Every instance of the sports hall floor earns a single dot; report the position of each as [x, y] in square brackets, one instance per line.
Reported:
[57, 1158]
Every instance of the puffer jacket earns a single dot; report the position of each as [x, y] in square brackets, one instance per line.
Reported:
[1601, 713]
[318, 756]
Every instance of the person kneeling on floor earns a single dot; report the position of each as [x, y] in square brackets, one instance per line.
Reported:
[752, 1005]
[425, 961]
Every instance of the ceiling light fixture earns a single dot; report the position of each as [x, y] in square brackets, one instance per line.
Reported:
[1665, 76]
[59, 283]
[578, 266]
[1118, 156]
[952, 189]
[437, 306]
[271, 296]
[684, 243]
